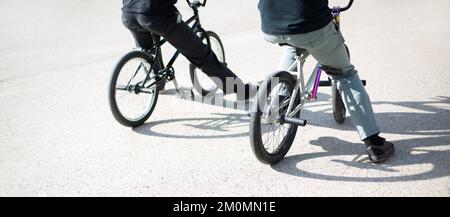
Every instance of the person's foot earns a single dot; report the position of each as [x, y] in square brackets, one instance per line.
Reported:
[378, 149]
[249, 92]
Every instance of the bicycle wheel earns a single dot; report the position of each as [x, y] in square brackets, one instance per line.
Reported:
[131, 104]
[270, 138]
[200, 81]
[339, 110]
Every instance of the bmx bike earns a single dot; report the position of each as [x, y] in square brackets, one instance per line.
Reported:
[139, 75]
[280, 99]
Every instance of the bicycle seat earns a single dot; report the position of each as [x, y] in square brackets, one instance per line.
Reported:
[284, 44]
[298, 51]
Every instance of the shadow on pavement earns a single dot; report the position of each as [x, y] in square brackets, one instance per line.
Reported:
[223, 127]
[215, 100]
[410, 152]
[431, 121]
[433, 148]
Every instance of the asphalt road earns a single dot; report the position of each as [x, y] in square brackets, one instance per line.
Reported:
[58, 137]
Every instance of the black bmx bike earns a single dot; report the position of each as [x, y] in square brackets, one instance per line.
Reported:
[139, 75]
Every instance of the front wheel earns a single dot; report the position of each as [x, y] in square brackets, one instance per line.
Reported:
[200, 81]
[131, 99]
[270, 138]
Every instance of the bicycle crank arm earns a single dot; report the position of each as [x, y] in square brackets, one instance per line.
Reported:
[147, 90]
[295, 121]
[175, 83]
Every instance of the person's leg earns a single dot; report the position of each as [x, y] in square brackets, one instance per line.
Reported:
[327, 47]
[184, 39]
[142, 37]
[288, 58]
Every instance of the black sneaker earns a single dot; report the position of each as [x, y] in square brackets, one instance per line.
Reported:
[380, 153]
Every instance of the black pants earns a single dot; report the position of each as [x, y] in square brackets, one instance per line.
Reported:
[183, 38]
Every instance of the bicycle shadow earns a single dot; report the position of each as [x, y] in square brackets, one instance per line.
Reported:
[428, 118]
[217, 99]
[223, 126]
[225, 123]
[431, 122]
[409, 152]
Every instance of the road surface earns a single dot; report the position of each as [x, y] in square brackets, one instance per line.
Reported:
[58, 137]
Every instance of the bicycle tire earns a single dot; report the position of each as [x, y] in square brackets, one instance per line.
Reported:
[193, 69]
[256, 139]
[158, 66]
[121, 118]
[339, 110]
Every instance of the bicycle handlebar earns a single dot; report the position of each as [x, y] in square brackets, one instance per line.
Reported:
[348, 6]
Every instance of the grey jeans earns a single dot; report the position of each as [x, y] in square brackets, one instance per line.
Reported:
[326, 45]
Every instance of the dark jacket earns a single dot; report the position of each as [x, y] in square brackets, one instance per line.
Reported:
[288, 17]
[149, 7]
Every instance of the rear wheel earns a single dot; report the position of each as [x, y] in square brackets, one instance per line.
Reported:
[130, 103]
[200, 81]
[339, 110]
[270, 138]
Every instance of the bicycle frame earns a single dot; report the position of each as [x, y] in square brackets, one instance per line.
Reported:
[168, 71]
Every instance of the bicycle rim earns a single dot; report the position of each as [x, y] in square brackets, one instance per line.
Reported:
[203, 80]
[134, 105]
[273, 131]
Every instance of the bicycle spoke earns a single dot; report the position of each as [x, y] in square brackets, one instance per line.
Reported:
[133, 101]
[121, 87]
[279, 134]
[272, 131]
[135, 73]
[268, 136]
[273, 138]
[270, 143]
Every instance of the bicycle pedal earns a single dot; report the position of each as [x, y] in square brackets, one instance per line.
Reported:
[295, 121]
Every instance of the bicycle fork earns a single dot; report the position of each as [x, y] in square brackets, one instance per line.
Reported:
[308, 91]
[290, 116]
